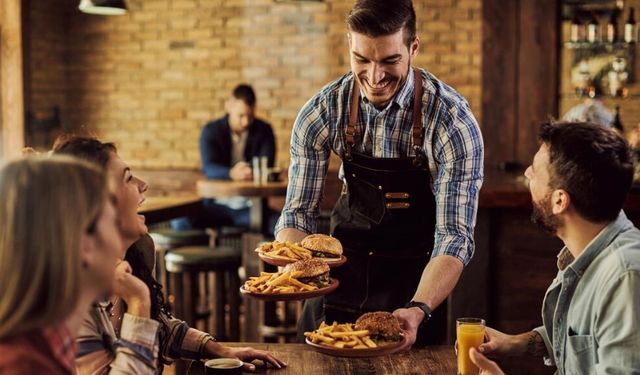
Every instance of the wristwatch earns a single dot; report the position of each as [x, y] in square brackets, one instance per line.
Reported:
[421, 306]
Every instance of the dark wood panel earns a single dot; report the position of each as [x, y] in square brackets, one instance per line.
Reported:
[499, 79]
[538, 71]
[519, 76]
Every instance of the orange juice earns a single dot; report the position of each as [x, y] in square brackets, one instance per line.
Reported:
[470, 335]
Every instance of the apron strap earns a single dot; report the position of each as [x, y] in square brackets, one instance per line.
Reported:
[417, 135]
[350, 132]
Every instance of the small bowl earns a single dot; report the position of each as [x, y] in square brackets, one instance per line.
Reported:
[224, 366]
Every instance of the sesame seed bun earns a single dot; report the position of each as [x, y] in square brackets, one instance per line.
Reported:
[322, 245]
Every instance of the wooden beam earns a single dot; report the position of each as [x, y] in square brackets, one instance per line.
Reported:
[11, 80]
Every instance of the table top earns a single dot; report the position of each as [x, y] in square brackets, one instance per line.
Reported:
[224, 189]
[302, 359]
[158, 209]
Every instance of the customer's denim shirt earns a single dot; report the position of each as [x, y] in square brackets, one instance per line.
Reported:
[591, 311]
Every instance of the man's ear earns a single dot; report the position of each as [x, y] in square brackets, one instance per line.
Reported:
[560, 201]
[414, 47]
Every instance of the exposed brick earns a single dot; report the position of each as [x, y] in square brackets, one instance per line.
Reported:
[149, 80]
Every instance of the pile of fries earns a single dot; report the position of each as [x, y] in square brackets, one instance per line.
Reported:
[279, 282]
[341, 336]
[284, 250]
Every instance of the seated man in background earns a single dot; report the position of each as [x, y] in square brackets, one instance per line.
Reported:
[227, 147]
[579, 180]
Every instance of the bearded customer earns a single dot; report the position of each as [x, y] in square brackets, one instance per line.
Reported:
[579, 180]
[412, 158]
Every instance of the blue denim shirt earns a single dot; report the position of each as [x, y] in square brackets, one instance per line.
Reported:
[591, 311]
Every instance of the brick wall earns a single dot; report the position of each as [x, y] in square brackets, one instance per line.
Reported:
[629, 106]
[149, 80]
[45, 71]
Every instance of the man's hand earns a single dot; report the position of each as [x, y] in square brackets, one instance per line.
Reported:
[486, 366]
[241, 172]
[501, 344]
[410, 320]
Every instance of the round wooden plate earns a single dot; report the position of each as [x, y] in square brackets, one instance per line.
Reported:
[281, 262]
[292, 296]
[388, 348]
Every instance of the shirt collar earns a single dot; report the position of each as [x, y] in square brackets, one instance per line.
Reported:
[61, 344]
[403, 97]
[596, 246]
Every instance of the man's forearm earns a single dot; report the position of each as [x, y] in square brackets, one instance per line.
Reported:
[438, 280]
[290, 234]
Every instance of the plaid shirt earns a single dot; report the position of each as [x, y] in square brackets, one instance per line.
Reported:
[453, 144]
[50, 350]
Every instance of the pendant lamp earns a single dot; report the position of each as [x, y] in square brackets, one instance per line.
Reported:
[103, 7]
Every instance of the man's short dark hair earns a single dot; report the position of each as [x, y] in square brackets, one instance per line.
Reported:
[246, 94]
[376, 18]
[594, 164]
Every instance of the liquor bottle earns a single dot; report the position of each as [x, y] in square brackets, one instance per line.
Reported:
[612, 28]
[617, 124]
[577, 31]
[592, 30]
[630, 28]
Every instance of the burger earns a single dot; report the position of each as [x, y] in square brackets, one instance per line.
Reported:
[322, 246]
[382, 326]
[313, 272]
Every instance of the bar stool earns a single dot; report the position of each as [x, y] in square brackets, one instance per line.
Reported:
[185, 264]
[166, 240]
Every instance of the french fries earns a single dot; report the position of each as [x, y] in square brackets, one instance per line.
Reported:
[341, 336]
[278, 282]
[284, 250]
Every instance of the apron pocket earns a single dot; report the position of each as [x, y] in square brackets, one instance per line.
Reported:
[366, 200]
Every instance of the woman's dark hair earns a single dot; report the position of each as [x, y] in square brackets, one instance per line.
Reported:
[93, 150]
[592, 163]
[383, 17]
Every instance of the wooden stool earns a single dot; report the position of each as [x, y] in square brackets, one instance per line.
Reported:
[166, 240]
[185, 264]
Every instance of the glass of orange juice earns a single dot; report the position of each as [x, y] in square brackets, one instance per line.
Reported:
[470, 334]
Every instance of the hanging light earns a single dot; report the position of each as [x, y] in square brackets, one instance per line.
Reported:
[103, 7]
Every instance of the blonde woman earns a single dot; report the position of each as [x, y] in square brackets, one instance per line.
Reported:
[59, 246]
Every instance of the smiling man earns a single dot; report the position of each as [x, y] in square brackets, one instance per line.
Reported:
[412, 158]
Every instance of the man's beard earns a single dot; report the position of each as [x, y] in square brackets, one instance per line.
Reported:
[543, 217]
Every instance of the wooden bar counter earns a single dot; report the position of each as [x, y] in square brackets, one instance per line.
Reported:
[301, 359]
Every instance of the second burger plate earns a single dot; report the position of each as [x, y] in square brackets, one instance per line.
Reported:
[292, 296]
[281, 261]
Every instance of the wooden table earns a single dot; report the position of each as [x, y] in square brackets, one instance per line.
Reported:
[256, 192]
[433, 360]
[159, 209]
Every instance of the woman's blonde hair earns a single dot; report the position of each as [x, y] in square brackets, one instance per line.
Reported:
[45, 207]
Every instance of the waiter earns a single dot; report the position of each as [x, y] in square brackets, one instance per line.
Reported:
[412, 158]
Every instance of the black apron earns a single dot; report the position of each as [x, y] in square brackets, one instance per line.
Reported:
[385, 220]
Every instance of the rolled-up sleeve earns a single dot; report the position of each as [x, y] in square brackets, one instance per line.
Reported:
[459, 153]
[139, 339]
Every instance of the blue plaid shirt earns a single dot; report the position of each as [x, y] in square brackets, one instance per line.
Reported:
[453, 144]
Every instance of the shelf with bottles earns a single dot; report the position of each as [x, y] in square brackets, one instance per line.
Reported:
[598, 30]
[600, 45]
